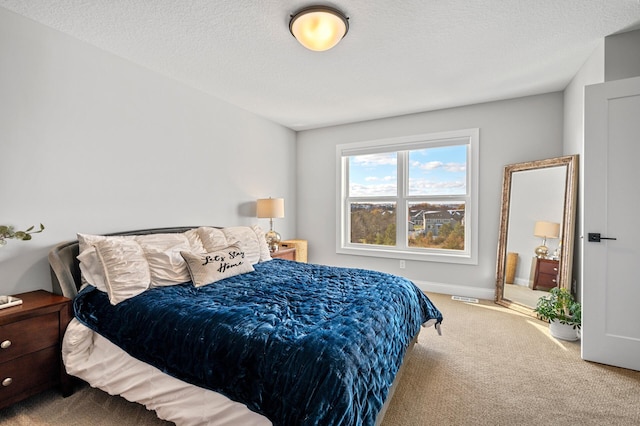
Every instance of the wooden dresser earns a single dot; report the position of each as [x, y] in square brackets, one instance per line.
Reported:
[546, 274]
[30, 346]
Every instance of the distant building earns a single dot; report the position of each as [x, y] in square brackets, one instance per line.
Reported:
[425, 221]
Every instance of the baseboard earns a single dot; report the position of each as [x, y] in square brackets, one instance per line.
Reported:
[522, 281]
[456, 290]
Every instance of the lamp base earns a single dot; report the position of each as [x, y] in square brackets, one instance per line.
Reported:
[273, 240]
[542, 252]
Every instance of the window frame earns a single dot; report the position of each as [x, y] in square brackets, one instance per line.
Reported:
[401, 145]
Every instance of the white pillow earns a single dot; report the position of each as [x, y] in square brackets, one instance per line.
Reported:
[265, 254]
[246, 239]
[90, 267]
[195, 241]
[126, 270]
[162, 252]
[208, 268]
[213, 239]
[91, 270]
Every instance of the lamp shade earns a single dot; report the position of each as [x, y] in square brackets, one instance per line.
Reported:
[270, 207]
[546, 229]
[319, 27]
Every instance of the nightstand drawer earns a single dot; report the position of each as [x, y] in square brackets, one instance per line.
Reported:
[548, 267]
[547, 280]
[33, 371]
[546, 274]
[29, 335]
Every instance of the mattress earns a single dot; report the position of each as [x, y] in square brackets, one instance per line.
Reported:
[105, 366]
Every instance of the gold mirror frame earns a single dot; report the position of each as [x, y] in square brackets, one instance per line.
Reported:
[568, 225]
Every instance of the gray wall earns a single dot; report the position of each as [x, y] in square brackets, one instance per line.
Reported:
[511, 131]
[622, 56]
[591, 72]
[93, 143]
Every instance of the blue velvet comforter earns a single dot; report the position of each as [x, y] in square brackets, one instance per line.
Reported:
[301, 344]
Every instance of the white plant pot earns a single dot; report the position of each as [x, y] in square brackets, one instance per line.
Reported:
[563, 331]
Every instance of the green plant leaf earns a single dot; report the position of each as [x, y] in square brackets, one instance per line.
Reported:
[559, 305]
[7, 232]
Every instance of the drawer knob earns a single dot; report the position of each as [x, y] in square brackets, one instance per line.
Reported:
[6, 382]
[5, 344]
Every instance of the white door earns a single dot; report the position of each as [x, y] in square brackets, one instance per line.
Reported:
[611, 267]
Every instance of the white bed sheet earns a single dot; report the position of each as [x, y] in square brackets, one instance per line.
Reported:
[105, 366]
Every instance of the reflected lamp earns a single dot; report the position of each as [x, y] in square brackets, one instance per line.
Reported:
[545, 230]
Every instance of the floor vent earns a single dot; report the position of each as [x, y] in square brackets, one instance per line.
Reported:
[465, 299]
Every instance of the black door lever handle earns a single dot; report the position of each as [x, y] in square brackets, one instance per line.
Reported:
[594, 237]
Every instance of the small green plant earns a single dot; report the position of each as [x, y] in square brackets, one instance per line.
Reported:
[560, 305]
[7, 232]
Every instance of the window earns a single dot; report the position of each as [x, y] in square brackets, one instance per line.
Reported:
[410, 198]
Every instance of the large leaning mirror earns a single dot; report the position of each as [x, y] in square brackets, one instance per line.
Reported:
[535, 247]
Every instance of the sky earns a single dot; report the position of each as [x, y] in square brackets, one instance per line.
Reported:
[432, 171]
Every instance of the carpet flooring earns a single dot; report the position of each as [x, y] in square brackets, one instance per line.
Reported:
[491, 366]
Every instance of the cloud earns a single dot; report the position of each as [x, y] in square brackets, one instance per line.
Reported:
[383, 189]
[387, 187]
[383, 159]
[455, 167]
[430, 187]
[431, 165]
[384, 178]
[435, 165]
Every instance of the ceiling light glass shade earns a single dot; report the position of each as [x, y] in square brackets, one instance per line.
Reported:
[319, 27]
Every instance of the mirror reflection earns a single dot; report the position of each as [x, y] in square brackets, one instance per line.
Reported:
[536, 231]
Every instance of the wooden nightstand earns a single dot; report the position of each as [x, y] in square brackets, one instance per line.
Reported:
[30, 346]
[299, 245]
[546, 276]
[284, 253]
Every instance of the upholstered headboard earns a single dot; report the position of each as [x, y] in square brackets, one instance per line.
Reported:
[65, 268]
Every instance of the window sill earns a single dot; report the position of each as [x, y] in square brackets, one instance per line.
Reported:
[445, 257]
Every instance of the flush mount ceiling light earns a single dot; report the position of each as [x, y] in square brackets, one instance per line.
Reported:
[319, 27]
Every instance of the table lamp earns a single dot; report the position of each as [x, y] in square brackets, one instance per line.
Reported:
[271, 208]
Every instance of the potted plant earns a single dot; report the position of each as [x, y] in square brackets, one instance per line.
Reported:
[7, 232]
[563, 313]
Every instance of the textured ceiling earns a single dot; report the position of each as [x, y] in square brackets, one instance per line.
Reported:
[399, 57]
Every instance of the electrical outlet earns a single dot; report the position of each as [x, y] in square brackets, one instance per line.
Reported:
[402, 264]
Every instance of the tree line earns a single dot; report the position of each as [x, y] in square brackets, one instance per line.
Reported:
[376, 224]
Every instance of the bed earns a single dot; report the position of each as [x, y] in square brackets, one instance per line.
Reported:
[202, 326]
